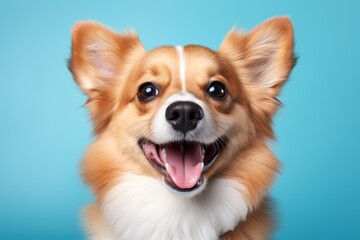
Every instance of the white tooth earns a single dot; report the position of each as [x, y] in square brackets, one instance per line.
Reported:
[163, 153]
[202, 165]
[167, 166]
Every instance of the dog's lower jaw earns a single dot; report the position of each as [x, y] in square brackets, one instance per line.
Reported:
[141, 208]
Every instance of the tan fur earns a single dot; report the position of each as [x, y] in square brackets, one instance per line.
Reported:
[110, 67]
[258, 225]
[94, 224]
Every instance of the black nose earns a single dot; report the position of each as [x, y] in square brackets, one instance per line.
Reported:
[184, 116]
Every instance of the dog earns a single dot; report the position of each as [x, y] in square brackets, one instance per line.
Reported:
[181, 132]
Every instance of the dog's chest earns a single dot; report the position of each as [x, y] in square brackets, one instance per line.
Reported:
[142, 208]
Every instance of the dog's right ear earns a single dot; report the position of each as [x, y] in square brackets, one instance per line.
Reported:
[98, 55]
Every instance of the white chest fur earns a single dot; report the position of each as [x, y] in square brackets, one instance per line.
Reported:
[141, 208]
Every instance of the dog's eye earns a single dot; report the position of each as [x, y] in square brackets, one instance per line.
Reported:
[147, 92]
[217, 90]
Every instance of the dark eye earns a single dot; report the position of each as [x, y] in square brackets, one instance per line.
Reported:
[217, 90]
[147, 92]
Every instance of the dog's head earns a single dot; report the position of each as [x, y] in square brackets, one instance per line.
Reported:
[181, 114]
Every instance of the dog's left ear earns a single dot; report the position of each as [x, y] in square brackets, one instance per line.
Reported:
[263, 60]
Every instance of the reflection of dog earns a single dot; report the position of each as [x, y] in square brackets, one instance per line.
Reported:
[181, 132]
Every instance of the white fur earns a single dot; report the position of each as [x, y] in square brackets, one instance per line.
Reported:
[181, 53]
[162, 131]
[139, 208]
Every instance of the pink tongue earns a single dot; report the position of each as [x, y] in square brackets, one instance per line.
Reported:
[184, 163]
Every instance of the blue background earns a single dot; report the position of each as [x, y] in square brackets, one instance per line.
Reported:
[44, 131]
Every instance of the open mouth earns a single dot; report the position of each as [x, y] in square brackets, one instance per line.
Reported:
[182, 163]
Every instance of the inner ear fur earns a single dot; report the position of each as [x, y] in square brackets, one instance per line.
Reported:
[98, 54]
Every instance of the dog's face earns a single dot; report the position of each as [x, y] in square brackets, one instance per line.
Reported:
[182, 115]
[186, 109]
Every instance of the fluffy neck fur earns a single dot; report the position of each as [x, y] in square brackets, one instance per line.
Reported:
[141, 207]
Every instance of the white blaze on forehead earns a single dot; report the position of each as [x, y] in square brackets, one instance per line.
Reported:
[181, 53]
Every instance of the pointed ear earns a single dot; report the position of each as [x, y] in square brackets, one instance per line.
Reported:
[98, 58]
[263, 60]
[98, 55]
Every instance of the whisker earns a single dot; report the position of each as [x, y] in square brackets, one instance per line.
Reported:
[224, 123]
[138, 122]
[147, 135]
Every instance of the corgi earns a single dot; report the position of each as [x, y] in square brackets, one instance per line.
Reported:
[181, 132]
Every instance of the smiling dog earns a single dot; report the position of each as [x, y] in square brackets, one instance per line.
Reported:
[181, 132]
